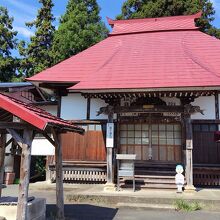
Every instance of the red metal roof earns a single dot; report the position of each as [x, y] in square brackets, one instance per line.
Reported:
[165, 52]
[153, 24]
[33, 115]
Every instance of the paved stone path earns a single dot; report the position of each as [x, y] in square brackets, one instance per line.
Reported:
[107, 211]
[92, 212]
[129, 214]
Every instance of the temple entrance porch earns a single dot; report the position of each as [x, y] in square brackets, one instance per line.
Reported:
[158, 144]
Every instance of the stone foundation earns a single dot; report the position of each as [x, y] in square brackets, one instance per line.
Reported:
[36, 210]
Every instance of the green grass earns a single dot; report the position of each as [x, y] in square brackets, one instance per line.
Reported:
[183, 205]
[17, 181]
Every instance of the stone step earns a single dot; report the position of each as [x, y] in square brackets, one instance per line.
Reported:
[150, 186]
[147, 181]
[150, 181]
[154, 177]
[155, 172]
[155, 181]
[147, 206]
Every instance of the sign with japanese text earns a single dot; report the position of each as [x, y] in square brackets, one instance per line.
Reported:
[110, 135]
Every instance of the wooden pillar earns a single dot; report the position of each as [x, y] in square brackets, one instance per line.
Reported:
[216, 106]
[109, 166]
[150, 150]
[47, 168]
[88, 108]
[110, 175]
[189, 156]
[24, 175]
[2, 159]
[59, 177]
[59, 100]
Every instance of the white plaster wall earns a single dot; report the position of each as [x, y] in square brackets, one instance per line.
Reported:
[206, 103]
[73, 107]
[9, 163]
[9, 159]
[42, 147]
[52, 109]
[8, 148]
[95, 105]
[171, 101]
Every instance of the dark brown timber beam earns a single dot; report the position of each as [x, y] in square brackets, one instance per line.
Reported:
[2, 159]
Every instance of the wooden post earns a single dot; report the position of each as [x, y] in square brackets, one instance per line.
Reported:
[24, 175]
[59, 100]
[109, 166]
[189, 156]
[88, 108]
[59, 177]
[2, 159]
[216, 106]
[150, 150]
[109, 158]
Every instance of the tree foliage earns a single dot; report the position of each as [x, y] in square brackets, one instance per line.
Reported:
[7, 43]
[160, 8]
[80, 27]
[37, 53]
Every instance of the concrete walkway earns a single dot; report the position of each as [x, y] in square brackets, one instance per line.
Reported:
[95, 194]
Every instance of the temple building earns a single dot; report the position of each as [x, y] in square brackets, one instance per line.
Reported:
[158, 81]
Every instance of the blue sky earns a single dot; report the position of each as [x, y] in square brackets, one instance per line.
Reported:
[25, 10]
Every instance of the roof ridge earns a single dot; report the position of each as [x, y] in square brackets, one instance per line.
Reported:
[136, 20]
[153, 31]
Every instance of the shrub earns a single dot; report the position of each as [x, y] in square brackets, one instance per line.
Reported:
[184, 205]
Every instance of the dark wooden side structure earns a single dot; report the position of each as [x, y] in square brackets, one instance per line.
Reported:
[22, 122]
[84, 156]
[206, 153]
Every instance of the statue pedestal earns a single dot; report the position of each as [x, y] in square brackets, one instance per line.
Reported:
[190, 189]
[109, 187]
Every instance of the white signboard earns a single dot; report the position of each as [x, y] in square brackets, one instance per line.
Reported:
[110, 135]
[42, 147]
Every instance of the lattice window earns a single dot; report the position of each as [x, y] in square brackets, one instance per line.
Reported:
[151, 141]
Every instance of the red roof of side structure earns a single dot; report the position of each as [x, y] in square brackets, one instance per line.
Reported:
[166, 52]
[33, 115]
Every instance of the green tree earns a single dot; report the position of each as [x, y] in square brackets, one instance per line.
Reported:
[37, 53]
[8, 42]
[80, 27]
[160, 8]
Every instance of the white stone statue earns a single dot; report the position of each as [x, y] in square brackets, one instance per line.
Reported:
[179, 178]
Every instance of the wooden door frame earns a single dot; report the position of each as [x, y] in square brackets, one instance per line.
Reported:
[119, 122]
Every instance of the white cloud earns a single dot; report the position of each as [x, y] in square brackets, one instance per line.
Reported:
[23, 7]
[19, 18]
[23, 31]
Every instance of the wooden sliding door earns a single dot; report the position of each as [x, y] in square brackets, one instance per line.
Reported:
[151, 141]
[87, 147]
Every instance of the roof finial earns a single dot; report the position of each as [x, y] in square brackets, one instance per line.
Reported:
[198, 15]
[110, 21]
